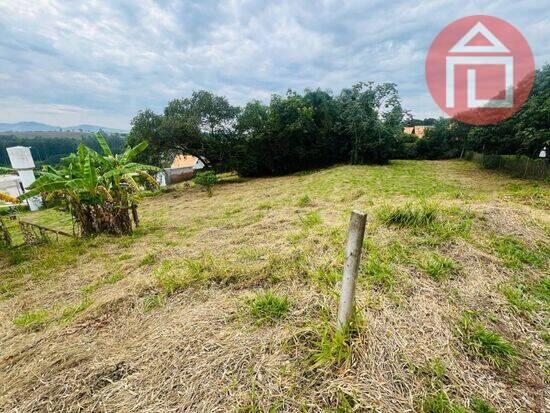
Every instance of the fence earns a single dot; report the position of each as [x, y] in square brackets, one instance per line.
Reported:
[517, 166]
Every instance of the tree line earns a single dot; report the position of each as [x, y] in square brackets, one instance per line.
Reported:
[526, 133]
[293, 132]
[299, 131]
[50, 149]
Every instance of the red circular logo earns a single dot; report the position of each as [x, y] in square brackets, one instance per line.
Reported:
[480, 69]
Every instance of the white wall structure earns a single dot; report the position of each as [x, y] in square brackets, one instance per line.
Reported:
[21, 160]
[11, 185]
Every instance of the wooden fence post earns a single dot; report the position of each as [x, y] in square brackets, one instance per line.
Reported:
[354, 245]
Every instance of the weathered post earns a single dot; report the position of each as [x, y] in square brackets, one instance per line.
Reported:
[4, 233]
[354, 246]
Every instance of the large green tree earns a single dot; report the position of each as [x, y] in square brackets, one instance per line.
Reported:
[372, 117]
[200, 125]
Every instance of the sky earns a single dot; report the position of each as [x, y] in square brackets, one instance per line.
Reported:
[101, 61]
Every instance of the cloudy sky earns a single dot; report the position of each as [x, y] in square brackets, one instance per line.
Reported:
[100, 61]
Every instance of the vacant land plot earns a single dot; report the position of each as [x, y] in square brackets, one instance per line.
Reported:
[227, 303]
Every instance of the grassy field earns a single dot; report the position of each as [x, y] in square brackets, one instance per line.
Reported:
[227, 303]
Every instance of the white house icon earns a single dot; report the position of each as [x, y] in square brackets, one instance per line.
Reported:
[477, 58]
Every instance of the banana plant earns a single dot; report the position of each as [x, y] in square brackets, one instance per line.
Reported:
[98, 187]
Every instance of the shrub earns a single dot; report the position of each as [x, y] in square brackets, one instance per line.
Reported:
[207, 180]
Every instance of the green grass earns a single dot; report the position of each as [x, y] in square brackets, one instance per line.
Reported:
[528, 296]
[39, 319]
[517, 296]
[376, 269]
[541, 290]
[267, 307]
[93, 287]
[515, 254]
[380, 274]
[437, 266]
[439, 402]
[149, 259]
[174, 276]
[32, 320]
[153, 301]
[478, 405]
[414, 215]
[486, 344]
[330, 348]
[70, 312]
[304, 201]
[312, 219]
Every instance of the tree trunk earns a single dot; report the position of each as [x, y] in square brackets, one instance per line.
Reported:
[111, 218]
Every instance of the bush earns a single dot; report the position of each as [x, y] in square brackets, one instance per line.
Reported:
[207, 180]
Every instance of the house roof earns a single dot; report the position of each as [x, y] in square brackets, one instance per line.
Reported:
[184, 161]
[418, 130]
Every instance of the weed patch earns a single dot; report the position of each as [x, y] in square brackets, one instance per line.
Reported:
[517, 296]
[153, 301]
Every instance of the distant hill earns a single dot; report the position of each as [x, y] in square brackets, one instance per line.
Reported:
[93, 129]
[27, 127]
[42, 127]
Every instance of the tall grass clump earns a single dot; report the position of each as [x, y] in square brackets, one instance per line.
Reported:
[267, 307]
[413, 215]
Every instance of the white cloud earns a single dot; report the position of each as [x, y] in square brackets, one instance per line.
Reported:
[102, 60]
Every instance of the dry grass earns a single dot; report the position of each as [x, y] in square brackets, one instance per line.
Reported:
[167, 320]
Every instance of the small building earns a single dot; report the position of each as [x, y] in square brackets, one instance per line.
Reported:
[182, 169]
[11, 185]
[419, 130]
